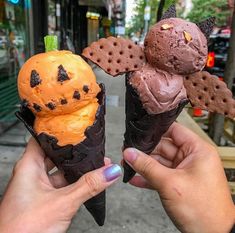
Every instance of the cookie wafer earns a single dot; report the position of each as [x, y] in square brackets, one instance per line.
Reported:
[115, 55]
[76, 160]
[207, 92]
[170, 13]
[207, 26]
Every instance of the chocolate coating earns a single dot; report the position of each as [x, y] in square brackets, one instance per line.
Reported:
[144, 131]
[176, 46]
[76, 160]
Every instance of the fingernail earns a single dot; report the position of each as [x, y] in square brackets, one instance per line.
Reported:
[112, 172]
[130, 155]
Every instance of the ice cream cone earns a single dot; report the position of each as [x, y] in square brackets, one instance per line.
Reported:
[144, 131]
[76, 160]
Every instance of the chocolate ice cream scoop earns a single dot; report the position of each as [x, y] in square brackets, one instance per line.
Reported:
[158, 90]
[176, 46]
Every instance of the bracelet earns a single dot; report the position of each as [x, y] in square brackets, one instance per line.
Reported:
[233, 229]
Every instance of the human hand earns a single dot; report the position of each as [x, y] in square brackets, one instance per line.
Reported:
[189, 177]
[35, 202]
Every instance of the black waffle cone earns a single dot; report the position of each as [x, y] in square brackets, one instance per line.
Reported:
[76, 160]
[144, 131]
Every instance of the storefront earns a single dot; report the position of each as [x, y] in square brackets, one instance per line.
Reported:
[14, 49]
[23, 25]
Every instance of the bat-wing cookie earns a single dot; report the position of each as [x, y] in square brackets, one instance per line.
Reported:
[115, 55]
[207, 92]
[161, 82]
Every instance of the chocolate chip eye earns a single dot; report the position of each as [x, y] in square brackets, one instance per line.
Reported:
[85, 88]
[51, 106]
[62, 74]
[76, 95]
[37, 107]
[34, 79]
[63, 101]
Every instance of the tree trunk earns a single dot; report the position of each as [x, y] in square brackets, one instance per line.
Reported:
[160, 10]
[217, 126]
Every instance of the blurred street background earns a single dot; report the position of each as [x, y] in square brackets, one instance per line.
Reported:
[77, 23]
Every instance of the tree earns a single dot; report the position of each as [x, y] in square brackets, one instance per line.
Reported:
[137, 20]
[203, 9]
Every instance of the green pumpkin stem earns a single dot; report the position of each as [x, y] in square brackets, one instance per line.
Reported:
[51, 43]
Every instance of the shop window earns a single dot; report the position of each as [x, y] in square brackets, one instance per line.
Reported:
[13, 53]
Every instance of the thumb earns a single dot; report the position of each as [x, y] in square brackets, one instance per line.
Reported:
[154, 172]
[93, 183]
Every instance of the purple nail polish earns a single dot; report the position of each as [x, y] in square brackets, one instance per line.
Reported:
[112, 172]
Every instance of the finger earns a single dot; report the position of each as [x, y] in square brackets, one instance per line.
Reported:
[93, 183]
[166, 148]
[140, 182]
[163, 160]
[57, 179]
[33, 154]
[49, 165]
[181, 135]
[122, 162]
[154, 172]
[107, 161]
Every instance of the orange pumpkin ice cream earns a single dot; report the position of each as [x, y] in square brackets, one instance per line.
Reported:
[60, 89]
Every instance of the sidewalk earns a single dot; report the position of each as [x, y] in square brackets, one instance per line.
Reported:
[128, 209]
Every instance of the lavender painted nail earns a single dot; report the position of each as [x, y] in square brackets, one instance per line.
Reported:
[112, 172]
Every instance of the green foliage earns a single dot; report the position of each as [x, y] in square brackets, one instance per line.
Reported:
[137, 20]
[203, 9]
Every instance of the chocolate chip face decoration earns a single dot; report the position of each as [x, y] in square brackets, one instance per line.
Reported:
[62, 74]
[37, 107]
[34, 79]
[85, 88]
[56, 75]
[63, 101]
[76, 95]
[51, 106]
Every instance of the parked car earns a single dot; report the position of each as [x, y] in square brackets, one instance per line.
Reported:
[218, 51]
